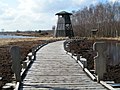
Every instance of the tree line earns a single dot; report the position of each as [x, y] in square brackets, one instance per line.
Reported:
[103, 17]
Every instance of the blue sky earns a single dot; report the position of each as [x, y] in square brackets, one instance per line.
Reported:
[37, 14]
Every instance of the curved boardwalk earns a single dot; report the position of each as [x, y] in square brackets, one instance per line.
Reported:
[53, 69]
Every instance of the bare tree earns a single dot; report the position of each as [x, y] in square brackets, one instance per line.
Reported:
[104, 17]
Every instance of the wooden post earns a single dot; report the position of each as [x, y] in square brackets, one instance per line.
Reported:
[16, 62]
[72, 51]
[34, 52]
[84, 62]
[100, 59]
[30, 56]
[78, 56]
[24, 64]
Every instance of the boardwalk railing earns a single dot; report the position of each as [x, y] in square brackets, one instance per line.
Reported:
[99, 61]
[19, 67]
[78, 58]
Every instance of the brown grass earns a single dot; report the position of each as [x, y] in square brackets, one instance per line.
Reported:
[25, 45]
[7, 41]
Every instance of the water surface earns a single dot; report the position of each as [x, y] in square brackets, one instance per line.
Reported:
[14, 36]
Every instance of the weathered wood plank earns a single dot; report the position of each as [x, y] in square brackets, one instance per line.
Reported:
[53, 69]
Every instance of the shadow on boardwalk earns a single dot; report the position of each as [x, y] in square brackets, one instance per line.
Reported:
[41, 87]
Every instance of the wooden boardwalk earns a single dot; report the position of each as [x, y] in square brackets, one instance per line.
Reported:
[53, 69]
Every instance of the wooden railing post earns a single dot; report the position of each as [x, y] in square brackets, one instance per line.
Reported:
[72, 51]
[34, 52]
[24, 64]
[16, 62]
[30, 56]
[78, 56]
[100, 59]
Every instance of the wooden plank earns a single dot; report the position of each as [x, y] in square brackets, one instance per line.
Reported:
[55, 69]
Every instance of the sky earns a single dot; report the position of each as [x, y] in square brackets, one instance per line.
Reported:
[33, 15]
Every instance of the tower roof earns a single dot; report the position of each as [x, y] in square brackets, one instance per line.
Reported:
[63, 13]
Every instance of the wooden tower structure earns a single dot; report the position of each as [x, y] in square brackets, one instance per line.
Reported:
[64, 26]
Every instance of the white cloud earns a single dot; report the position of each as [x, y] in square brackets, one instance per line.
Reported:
[78, 2]
[26, 5]
[36, 14]
[114, 1]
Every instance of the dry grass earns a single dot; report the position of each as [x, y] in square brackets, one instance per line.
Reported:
[7, 41]
[105, 38]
